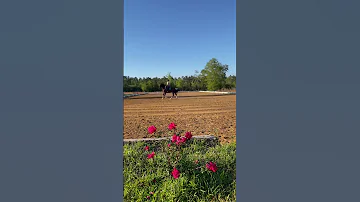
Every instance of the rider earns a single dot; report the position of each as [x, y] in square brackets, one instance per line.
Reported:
[168, 85]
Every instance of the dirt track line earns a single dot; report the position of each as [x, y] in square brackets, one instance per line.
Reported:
[183, 113]
[181, 109]
[190, 105]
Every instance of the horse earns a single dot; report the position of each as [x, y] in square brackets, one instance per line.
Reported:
[174, 91]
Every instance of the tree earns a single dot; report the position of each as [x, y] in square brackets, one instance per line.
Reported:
[212, 77]
[230, 82]
[146, 85]
[180, 83]
[198, 81]
[126, 85]
[214, 74]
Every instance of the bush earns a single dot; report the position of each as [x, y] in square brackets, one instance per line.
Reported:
[183, 169]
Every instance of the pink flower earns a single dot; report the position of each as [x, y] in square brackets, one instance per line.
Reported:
[196, 161]
[174, 138]
[188, 135]
[172, 126]
[175, 173]
[148, 197]
[152, 129]
[152, 193]
[150, 156]
[169, 145]
[211, 166]
[146, 148]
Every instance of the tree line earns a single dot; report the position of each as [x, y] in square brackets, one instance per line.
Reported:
[212, 77]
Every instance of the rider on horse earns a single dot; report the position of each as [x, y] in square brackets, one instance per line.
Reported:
[167, 89]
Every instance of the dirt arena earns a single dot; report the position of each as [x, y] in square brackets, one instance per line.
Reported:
[200, 113]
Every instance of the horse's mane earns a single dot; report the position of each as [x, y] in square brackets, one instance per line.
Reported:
[162, 86]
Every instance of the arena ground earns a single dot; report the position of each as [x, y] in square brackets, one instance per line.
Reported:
[200, 113]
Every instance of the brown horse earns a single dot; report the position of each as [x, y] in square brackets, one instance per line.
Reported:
[174, 91]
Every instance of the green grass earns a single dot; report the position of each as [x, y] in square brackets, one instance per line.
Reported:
[196, 183]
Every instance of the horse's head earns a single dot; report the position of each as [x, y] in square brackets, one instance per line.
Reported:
[162, 86]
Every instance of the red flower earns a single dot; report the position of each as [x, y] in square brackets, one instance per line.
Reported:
[180, 140]
[188, 135]
[146, 148]
[175, 173]
[152, 129]
[183, 139]
[150, 156]
[211, 166]
[169, 145]
[172, 126]
[148, 197]
[174, 138]
[196, 161]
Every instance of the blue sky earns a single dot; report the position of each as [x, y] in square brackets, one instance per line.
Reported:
[178, 36]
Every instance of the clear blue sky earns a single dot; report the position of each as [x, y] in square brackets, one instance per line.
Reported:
[178, 36]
